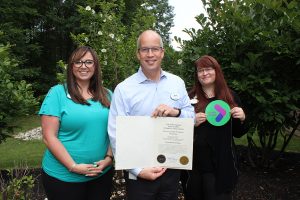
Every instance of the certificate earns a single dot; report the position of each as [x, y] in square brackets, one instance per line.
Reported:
[143, 141]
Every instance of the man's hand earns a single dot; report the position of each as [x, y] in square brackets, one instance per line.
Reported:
[164, 111]
[151, 173]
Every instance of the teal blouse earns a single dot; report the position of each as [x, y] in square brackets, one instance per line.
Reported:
[82, 131]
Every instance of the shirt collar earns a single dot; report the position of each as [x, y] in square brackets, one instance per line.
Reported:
[142, 78]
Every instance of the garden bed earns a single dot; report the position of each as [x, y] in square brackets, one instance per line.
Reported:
[280, 183]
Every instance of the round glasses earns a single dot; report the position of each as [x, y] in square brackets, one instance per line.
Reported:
[87, 63]
[206, 69]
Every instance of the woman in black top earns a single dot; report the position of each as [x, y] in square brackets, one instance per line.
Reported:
[214, 171]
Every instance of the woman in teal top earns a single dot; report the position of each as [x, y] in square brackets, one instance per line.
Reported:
[77, 164]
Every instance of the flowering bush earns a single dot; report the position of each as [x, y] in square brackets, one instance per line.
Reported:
[107, 35]
[114, 42]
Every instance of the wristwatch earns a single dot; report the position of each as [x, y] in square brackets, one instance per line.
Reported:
[179, 113]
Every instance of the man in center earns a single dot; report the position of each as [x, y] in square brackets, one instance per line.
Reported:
[156, 93]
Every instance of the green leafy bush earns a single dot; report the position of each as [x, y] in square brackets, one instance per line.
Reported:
[257, 43]
[16, 97]
[19, 186]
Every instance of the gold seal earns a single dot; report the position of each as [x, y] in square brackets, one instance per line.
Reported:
[184, 160]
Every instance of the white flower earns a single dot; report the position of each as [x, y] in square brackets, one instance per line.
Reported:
[179, 61]
[88, 8]
[100, 33]
[86, 39]
[104, 20]
[112, 35]
[104, 62]
[93, 11]
[103, 50]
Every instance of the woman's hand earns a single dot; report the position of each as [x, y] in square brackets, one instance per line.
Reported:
[199, 118]
[85, 169]
[238, 113]
[98, 167]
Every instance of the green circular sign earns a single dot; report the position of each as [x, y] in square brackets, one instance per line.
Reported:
[217, 112]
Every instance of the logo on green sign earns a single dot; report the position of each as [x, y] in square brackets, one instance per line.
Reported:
[217, 112]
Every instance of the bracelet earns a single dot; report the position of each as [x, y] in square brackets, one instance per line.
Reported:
[111, 157]
[179, 113]
[72, 167]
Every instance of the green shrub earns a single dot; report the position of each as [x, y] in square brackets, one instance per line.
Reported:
[16, 97]
[19, 185]
[257, 44]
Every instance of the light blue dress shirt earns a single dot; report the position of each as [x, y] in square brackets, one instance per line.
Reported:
[139, 96]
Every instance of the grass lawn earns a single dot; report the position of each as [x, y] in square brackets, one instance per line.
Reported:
[25, 123]
[15, 152]
[293, 146]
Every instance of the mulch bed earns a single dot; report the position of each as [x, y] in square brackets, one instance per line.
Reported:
[280, 183]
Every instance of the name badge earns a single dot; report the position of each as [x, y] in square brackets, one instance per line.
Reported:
[194, 101]
[175, 96]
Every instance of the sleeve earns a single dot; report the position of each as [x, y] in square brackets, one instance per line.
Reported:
[52, 103]
[118, 107]
[238, 128]
[187, 110]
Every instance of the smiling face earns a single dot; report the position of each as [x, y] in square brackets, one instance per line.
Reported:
[84, 70]
[150, 52]
[206, 76]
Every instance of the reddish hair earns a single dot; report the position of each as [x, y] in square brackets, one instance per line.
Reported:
[221, 88]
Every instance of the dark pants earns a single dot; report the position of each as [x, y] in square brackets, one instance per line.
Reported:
[203, 187]
[97, 189]
[163, 188]
[184, 175]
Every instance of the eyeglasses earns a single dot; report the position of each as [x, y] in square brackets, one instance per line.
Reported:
[87, 63]
[206, 69]
[145, 50]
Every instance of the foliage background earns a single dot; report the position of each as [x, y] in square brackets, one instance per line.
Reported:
[256, 42]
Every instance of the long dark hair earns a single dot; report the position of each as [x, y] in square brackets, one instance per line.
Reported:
[221, 88]
[96, 88]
